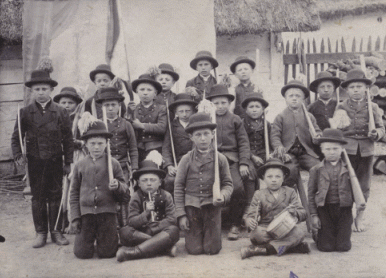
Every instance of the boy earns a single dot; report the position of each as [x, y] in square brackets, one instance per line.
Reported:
[243, 68]
[152, 221]
[233, 143]
[360, 140]
[183, 107]
[93, 198]
[290, 135]
[149, 117]
[330, 195]
[69, 99]
[197, 213]
[268, 203]
[167, 79]
[204, 81]
[323, 109]
[101, 76]
[47, 130]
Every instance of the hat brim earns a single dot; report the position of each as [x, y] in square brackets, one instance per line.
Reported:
[248, 61]
[262, 169]
[229, 96]
[314, 84]
[173, 105]
[245, 102]
[364, 80]
[96, 133]
[156, 84]
[50, 82]
[100, 100]
[175, 75]
[146, 170]
[96, 71]
[194, 62]
[289, 86]
[330, 140]
[200, 125]
[59, 96]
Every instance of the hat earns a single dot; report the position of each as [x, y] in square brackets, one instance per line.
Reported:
[95, 129]
[103, 68]
[324, 76]
[254, 97]
[168, 68]
[295, 84]
[219, 90]
[146, 167]
[331, 135]
[200, 120]
[356, 75]
[182, 98]
[146, 78]
[240, 60]
[272, 163]
[109, 93]
[69, 92]
[40, 76]
[203, 55]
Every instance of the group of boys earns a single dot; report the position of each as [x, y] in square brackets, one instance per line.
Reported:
[175, 191]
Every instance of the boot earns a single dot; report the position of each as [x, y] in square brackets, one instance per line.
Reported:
[252, 250]
[302, 248]
[39, 215]
[139, 237]
[172, 252]
[58, 238]
[234, 233]
[40, 240]
[147, 249]
[56, 235]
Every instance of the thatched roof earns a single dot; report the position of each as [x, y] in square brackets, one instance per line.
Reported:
[11, 23]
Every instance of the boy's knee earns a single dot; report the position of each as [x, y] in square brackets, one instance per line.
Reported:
[343, 247]
[82, 253]
[126, 235]
[174, 233]
[196, 249]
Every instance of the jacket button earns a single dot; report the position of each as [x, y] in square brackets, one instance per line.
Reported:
[201, 192]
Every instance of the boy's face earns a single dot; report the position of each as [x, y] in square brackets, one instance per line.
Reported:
[222, 105]
[166, 81]
[102, 80]
[332, 151]
[204, 67]
[183, 112]
[149, 182]
[68, 103]
[274, 178]
[146, 93]
[325, 90]
[96, 146]
[202, 138]
[41, 92]
[243, 71]
[254, 109]
[112, 108]
[294, 98]
[356, 90]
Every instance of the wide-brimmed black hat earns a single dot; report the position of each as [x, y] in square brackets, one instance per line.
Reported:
[295, 84]
[356, 75]
[103, 68]
[199, 121]
[272, 163]
[331, 135]
[240, 60]
[203, 55]
[324, 76]
[254, 97]
[109, 93]
[69, 92]
[168, 68]
[182, 98]
[146, 78]
[96, 129]
[146, 167]
[219, 90]
[40, 77]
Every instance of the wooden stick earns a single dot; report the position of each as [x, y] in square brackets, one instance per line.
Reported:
[266, 137]
[216, 185]
[310, 125]
[108, 151]
[171, 134]
[23, 149]
[337, 90]
[369, 102]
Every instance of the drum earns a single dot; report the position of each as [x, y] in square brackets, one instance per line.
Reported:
[281, 225]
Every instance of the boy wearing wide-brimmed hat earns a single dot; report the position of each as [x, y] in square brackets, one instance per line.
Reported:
[152, 228]
[330, 196]
[93, 197]
[167, 78]
[183, 107]
[69, 99]
[360, 140]
[324, 107]
[233, 143]
[243, 68]
[47, 130]
[150, 120]
[204, 81]
[267, 204]
[199, 215]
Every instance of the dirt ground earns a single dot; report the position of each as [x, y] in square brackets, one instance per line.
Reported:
[19, 259]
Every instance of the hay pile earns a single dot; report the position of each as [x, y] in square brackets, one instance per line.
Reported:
[11, 23]
[334, 9]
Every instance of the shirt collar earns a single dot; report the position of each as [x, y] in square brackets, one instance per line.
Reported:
[325, 101]
[112, 120]
[43, 105]
[184, 125]
[205, 78]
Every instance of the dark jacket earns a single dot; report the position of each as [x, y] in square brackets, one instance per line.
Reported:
[255, 131]
[48, 135]
[162, 97]
[241, 93]
[322, 112]
[318, 185]
[199, 83]
[88, 106]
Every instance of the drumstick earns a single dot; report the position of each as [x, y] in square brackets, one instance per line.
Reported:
[371, 115]
[109, 163]
[310, 125]
[266, 138]
[171, 134]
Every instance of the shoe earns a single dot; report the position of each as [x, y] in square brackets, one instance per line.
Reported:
[128, 253]
[58, 238]
[234, 233]
[40, 240]
[173, 251]
[301, 248]
[252, 250]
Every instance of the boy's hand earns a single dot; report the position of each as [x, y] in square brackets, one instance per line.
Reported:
[286, 158]
[373, 135]
[66, 169]
[183, 222]
[113, 185]
[150, 206]
[316, 222]
[258, 161]
[76, 225]
[172, 171]
[131, 105]
[251, 223]
[21, 160]
[219, 202]
[244, 171]
[137, 124]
